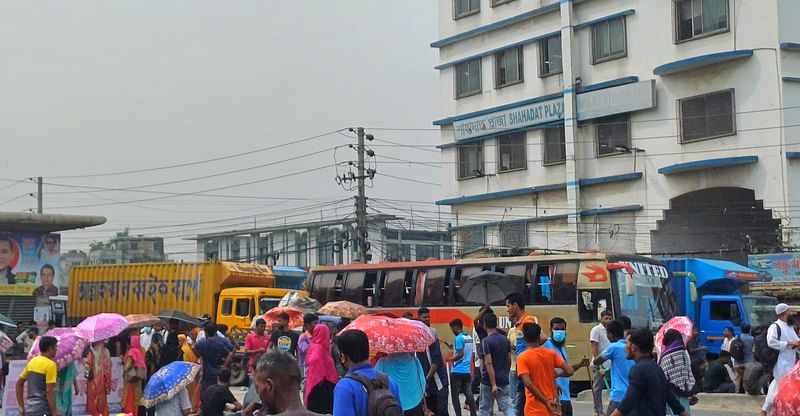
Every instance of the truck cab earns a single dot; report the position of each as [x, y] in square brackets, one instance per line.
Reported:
[714, 295]
[238, 306]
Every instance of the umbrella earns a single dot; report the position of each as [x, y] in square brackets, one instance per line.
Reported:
[5, 342]
[141, 320]
[487, 287]
[787, 401]
[391, 335]
[170, 314]
[71, 345]
[4, 320]
[295, 316]
[343, 308]
[168, 381]
[681, 324]
[102, 326]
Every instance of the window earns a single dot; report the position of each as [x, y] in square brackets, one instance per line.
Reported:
[592, 303]
[513, 234]
[508, 67]
[613, 132]
[354, 289]
[463, 8]
[468, 78]
[471, 238]
[723, 310]
[393, 288]
[470, 161]
[323, 287]
[242, 307]
[542, 284]
[698, 18]
[430, 287]
[550, 56]
[227, 307]
[608, 40]
[512, 152]
[426, 252]
[707, 116]
[398, 252]
[565, 284]
[460, 279]
[235, 250]
[555, 148]
[301, 247]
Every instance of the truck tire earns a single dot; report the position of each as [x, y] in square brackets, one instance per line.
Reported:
[239, 371]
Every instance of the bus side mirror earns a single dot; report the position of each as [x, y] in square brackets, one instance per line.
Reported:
[693, 292]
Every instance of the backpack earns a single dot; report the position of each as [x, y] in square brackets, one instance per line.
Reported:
[737, 349]
[380, 400]
[762, 352]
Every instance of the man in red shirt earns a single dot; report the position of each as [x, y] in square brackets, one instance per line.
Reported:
[256, 343]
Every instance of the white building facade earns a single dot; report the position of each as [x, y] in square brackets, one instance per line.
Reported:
[649, 126]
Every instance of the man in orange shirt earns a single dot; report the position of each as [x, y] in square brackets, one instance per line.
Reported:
[535, 368]
[515, 305]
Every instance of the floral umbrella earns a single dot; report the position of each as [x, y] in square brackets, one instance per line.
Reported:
[681, 324]
[102, 326]
[787, 402]
[70, 347]
[168, 381]
[295, 316]
[391, 335]
[343, 308]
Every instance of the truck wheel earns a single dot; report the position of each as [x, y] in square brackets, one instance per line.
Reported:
[239, 372]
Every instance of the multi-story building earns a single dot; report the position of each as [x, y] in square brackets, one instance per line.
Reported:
[327, 242]
[125, 248]
[668, 126]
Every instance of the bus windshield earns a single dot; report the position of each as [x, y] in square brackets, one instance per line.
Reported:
[649, 306]
[760, 310]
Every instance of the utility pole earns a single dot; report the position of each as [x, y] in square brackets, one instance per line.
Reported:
[39, 195]
[360, 177]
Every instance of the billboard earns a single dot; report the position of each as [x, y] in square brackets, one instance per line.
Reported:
[776, 267]
[30, 264]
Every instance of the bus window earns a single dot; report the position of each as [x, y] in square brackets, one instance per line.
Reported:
[408, 288]
[227, 307]
[368, 293]
[354, 287]
[592, 303]
[323, 287]
[393, 288]
[542, 284]
[431, 290]
[466, 272]
[242, 307]
[518, 273]
[338, 287]
[565, 284]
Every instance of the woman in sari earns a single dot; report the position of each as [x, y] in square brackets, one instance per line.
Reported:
[677, 367]
[133, 363]
[189, 356]
[98, 382]
[321, 374]
[67, 381]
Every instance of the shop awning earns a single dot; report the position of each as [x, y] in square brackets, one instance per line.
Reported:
[700, 61]
[707, 164]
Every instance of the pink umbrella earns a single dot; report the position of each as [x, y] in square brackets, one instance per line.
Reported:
[102, 326]
[392, 335]
[787, 402]
[681, 324]
[70, 346]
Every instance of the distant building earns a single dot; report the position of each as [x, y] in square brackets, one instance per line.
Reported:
[69, 259]
[661, 127]
[124, 249]
[323, 243]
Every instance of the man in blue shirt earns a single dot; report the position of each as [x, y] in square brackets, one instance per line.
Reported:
[460, 379]
[436, 382]
[496, 367]
[620, 364]
[215, 353]
[558, 336]
[349, 395]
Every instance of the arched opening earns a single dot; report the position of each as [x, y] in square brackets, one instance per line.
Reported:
[722, 223]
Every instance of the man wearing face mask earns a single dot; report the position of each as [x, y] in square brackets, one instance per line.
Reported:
[557, 343]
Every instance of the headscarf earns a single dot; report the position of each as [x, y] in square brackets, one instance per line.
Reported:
[171, 351]
[135, 353]
[405, 370]
[676, 364]
[319, 362]
[188, 354]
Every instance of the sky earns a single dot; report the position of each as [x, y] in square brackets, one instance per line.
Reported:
[91, 90]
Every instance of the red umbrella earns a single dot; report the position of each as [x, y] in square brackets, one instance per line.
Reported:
[295, 316]
[681, 324]
[787, 402]
[391, 335]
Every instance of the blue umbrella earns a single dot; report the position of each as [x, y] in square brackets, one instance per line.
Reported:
[168, 381]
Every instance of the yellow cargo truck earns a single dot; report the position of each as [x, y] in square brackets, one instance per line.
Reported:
[232, 293]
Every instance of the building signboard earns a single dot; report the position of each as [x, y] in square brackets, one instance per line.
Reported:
[30, 264]
[776, 267]
[617, 100]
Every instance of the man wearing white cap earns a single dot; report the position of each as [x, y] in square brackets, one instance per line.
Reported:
[782, 338]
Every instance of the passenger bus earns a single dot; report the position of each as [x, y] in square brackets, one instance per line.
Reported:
[576, 287]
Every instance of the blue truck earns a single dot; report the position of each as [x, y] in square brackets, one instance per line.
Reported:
[714, 295]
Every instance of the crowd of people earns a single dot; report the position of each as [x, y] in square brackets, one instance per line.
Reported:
[522, 371]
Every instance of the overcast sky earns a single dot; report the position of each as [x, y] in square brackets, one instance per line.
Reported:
[92, 87]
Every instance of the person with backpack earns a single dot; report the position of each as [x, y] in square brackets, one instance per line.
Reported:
[362, 391]
[677, 367]
[783, 342]
[741, 350]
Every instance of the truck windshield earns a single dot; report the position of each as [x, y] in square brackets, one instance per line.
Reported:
[649, 306]
[760, 310]
[265, 304]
